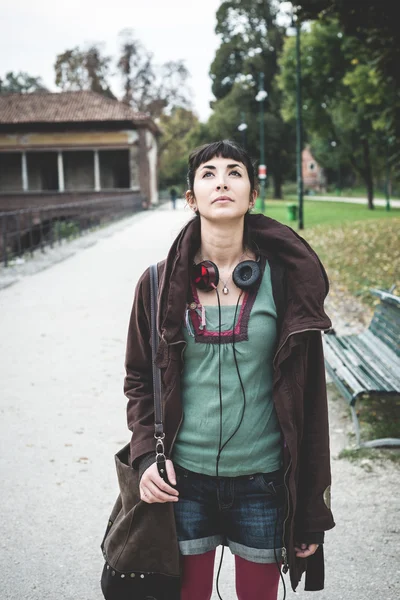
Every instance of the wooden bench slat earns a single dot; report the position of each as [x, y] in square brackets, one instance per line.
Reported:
[376, 368]
[369, 370]
[377, 348]
[345, 353]
[370, 361]
[340, 369]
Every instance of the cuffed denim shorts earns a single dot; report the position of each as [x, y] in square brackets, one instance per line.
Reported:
[244, 513]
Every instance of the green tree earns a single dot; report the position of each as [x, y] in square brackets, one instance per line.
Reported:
[251, 41]
[21, 82]
[340, 97]
[174, 146]
[375, 25]
[78, 69]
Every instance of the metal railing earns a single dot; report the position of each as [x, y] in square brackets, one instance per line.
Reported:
[30, 229]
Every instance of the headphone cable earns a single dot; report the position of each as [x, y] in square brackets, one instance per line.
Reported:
[220, 448]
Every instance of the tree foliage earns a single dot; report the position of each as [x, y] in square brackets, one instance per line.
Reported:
[375, 25]
[174, 146]
[342, 99]
[77, 69]
[148, 87]
[21, 82]
[251, 41]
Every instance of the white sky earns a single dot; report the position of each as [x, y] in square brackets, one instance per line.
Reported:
[33, 33]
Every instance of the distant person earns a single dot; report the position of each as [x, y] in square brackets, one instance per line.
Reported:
[173, 195]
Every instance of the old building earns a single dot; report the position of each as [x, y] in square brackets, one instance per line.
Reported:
[313, 175]
[71, 146]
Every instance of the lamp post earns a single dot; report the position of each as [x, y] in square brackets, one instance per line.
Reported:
[242, 128]
[262, 169]
[299, 128]
[337, 163]
[294, 30]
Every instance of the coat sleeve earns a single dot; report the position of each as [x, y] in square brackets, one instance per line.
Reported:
[313, 513]
[138, 382]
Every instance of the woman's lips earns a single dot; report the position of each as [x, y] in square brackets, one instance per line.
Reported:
[222, 199]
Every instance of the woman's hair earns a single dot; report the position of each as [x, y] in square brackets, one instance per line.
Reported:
[225, 149]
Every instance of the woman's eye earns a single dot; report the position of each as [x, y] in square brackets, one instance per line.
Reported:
[237, 173]
[207, 173]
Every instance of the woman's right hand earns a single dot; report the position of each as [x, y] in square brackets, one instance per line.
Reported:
[154, 489]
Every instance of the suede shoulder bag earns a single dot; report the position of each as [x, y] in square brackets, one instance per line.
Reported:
[132, 549]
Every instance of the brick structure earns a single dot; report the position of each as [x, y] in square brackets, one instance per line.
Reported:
[313, 175]
[60, 147]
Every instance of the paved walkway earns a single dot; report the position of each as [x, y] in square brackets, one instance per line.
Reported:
[63, 334]
[350, 200]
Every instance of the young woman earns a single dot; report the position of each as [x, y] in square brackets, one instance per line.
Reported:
[241, 312]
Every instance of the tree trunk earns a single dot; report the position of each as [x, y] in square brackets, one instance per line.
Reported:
[277, 182]
[367, 174]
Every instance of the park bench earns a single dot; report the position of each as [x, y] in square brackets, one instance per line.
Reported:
[368, 363]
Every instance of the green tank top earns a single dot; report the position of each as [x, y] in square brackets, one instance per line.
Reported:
[256, 446]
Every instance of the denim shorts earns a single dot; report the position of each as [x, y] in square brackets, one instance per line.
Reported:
[244, 513]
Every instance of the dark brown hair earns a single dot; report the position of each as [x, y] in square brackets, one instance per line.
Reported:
[225, 149]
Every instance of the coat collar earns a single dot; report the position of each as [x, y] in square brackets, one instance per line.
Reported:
[307, 281]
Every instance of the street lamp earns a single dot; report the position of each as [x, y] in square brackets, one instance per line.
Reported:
[337, 161]
[291, 31]
[242, 128]
[262, 169]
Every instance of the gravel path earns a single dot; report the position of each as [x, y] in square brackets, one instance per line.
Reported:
[63, 327]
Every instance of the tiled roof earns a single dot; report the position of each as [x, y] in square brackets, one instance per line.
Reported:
[64, 107]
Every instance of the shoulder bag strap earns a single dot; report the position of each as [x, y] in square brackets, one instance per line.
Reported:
[158, 416]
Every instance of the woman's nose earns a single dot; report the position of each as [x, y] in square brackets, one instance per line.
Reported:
[220, 185]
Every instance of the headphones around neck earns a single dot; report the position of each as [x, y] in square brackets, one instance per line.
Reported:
[205, 275]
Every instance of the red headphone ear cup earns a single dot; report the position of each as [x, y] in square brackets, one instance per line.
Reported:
[205, 275]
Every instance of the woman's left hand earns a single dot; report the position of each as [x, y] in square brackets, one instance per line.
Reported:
[303, 550]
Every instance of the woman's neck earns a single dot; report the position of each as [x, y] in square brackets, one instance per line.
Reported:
[222, 244]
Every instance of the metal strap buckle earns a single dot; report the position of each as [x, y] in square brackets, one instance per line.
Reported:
[160, 450]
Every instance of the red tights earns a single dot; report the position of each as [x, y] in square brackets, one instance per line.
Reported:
[253, 580]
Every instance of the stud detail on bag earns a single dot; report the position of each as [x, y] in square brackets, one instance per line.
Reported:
[142, 576]
[133, 575]
[122, 576]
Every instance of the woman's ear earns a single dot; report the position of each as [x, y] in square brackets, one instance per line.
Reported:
[190, 199]
[253, 198]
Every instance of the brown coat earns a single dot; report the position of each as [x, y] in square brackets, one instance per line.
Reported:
[299, 387]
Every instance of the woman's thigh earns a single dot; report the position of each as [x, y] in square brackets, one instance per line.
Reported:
[196, 513]
[253, 524]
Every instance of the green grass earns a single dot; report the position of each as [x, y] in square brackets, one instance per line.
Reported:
[346, 192]
[379, 417]
[317, 212]
[359, 248]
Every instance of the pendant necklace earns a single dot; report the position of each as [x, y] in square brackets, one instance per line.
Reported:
[225, 289]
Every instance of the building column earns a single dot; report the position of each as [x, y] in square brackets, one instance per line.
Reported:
[60, 164]
[24, 167]
[97, 186]
[133, 168]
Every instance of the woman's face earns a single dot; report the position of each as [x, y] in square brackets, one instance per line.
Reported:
[221, 189]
